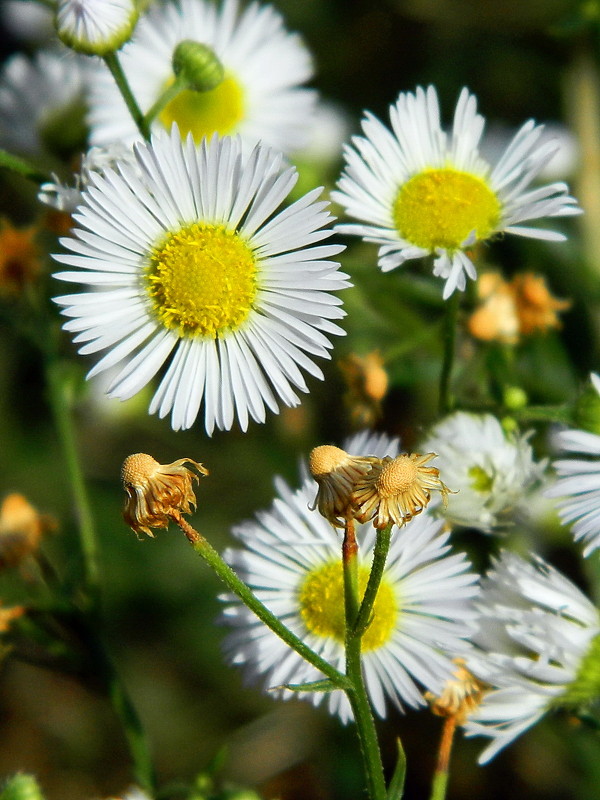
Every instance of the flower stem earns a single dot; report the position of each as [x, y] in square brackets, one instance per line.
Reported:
[60, 400]
[114, 65]
[357, 693]
[382, 546]
[169, 94]
[247, 596]
[440, 778]
[450, 323]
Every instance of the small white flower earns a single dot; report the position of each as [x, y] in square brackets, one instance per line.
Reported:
[578, 483]
[34, 93]
[292, 560]
[537, 646]
[95, 27]
[261, 98]
[418, 191]
[488, 469]
[186, 263]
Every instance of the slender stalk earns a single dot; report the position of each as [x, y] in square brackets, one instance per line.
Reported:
[60, 401]
[357, 694]
[169, 94]
[440, 778]
[450, 323]
[247, 596]
[114, 65]
[382, 546]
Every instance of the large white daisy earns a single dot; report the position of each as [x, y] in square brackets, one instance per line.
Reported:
[488, 469]
[538, 645]
[578, 483]
[261, 97]
[186, 265]
[292, 560]
[419, 191]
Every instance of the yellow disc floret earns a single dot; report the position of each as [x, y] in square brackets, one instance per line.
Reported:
[321, 598]
[204, 113]
[441, 208]
[202, 280]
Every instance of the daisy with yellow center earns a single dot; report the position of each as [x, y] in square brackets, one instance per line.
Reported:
[188, 264]
[418, 191]
[261, 97]
[292, 560]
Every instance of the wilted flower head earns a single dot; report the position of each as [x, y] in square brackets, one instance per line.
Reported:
[21, 528]
[20, 258]
[396, 489]
[155, 492]
[536, 307]
[367, 383]
[461, 694]
[495, 319]
[337, 473]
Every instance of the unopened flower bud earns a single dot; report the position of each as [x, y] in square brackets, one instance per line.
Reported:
[156, 492]
[21, 528]
[95, 27]
[198, 65]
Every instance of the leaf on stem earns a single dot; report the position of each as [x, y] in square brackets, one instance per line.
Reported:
[323, 685]
[396, 787]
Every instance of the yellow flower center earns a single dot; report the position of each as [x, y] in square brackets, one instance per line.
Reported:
[442, 207]
[203, 113]
[321, 598]
[202, 280]
[481, 481]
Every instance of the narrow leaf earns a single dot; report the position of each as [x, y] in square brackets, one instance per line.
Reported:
[324, 685]
[396, 787]
[17, 164]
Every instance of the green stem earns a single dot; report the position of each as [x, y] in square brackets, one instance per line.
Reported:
[357, 694]
[169, 94]
[114, 65]
[382, 546]
[60, 401]
[23, 167]
[439, 786]
[247, 596]
[450, 324]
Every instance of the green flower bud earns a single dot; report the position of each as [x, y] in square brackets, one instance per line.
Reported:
[198, 65]
[515, 398]
[21, 787]
[586, 414]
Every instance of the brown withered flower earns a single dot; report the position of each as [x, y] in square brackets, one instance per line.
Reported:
[461, 695]
[397, 489]
[536, 307]
[496, 318]
[20, 258]
[337, 473]
[8, 614]
[155, 492]
[21, 529]
[367, 383]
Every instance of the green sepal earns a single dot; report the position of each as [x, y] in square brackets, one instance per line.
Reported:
[396, 787]
[323, 685]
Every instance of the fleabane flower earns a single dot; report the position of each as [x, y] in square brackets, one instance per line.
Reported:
[488, 469]
[187, 264]
[291, 558]
[578, 482]
[537, 644]
[261, 97]
[95, 27]
[418, 191]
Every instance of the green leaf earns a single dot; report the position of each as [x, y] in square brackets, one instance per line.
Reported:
[324, 685]
[23, 167]
[396, 787]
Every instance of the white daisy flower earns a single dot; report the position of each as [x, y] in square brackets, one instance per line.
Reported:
[538, 647]
[419, 191]
[186, 264]
[95, 27]
[261, 97]
[292, 560]
[35, 95]
[578, 483]
[488, 469]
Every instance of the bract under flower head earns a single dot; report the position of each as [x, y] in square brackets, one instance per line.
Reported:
[419, 191]
[537, 645]
[186, 259]
[261, 97]
[292, 560]
[488, 469]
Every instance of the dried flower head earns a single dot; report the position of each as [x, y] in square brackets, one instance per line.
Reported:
[396, 489]
[367, 383]
[495, 319]
[8, 614]
[21, 528]
[20, 258]
[337, 473]
[536, 307]
[155, 492]
[461, 695]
